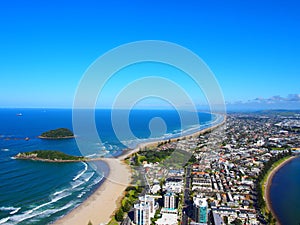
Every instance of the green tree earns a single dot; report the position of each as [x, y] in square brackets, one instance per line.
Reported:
[225, 219]
[90, 223]
[237, 222]
[126, 206]
[119, 215]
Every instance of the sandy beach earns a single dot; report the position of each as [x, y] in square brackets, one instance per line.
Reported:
[268, 186]
[155, 143]
[101, 205]
[98, 208]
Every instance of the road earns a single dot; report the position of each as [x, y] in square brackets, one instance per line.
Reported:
[186, 197]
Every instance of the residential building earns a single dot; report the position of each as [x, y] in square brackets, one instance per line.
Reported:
[142, 214]
[200, 210]
[170, 200]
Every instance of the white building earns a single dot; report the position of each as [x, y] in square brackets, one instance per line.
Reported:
[149, 200]
[145, 210]
[169, 217]
[142, 214]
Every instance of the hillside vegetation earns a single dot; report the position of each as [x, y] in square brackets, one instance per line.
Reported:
[57, 134]
[48, 155]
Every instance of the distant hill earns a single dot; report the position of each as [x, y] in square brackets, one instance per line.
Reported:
[60, 133]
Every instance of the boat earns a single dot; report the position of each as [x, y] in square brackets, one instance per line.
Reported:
[19, 114]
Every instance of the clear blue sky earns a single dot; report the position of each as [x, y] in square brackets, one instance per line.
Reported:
[253, 47]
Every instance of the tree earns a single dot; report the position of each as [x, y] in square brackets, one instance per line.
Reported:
[90, 223]
[237, 222]
[126, 206]
[225, 219]
[119, 215]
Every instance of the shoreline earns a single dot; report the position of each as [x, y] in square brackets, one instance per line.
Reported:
[100, 206]
[56, 138]
[112, 189]
[268, 184]
[130, 152]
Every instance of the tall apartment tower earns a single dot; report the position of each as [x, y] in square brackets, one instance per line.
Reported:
[149, 200]
[170, 200]
[142, 214]
[144, 210]
[200, 210]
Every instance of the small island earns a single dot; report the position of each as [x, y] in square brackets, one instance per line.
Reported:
[60, 133]
[49, 156]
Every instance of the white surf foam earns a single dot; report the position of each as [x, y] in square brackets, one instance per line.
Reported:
[4, 220]
[77, 184]
[49, 212]
[36, 212]
[10, 208]
[88, 176]
[60, 196]
[82, 172]
[15, 211]
[59, 192]
[81, 194]
[7, 208]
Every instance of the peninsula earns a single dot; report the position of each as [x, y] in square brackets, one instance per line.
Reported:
[60, 133]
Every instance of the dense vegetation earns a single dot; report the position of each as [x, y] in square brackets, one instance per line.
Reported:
[131, 196]
[168, 157]
[151, 156]
[58, 133]
[49, 155]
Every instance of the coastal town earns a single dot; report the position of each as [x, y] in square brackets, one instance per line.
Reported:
[213, 178]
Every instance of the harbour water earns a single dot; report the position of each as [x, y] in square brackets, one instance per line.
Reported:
[285, 193]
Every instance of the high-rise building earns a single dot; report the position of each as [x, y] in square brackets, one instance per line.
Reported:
[149, 200]
[170, 200]
[144, 211]
[200, 210]
[142, 214]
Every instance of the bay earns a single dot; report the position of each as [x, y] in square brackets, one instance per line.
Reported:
[285, 193]
[40, 193]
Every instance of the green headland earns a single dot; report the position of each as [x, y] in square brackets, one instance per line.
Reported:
[49, 155]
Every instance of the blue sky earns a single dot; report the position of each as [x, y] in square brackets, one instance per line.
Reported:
[252, 47]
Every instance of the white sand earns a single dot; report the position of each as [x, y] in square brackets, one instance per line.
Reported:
[99, 207]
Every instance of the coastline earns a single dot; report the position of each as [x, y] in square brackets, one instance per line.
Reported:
[56, 138]
[130, 152]
[99, 207]
[112, 189]
[268, 183]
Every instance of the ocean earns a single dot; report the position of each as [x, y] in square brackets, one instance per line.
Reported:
[285, 193]
[34, 192]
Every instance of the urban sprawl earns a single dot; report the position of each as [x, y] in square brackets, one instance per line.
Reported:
[215, 177]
